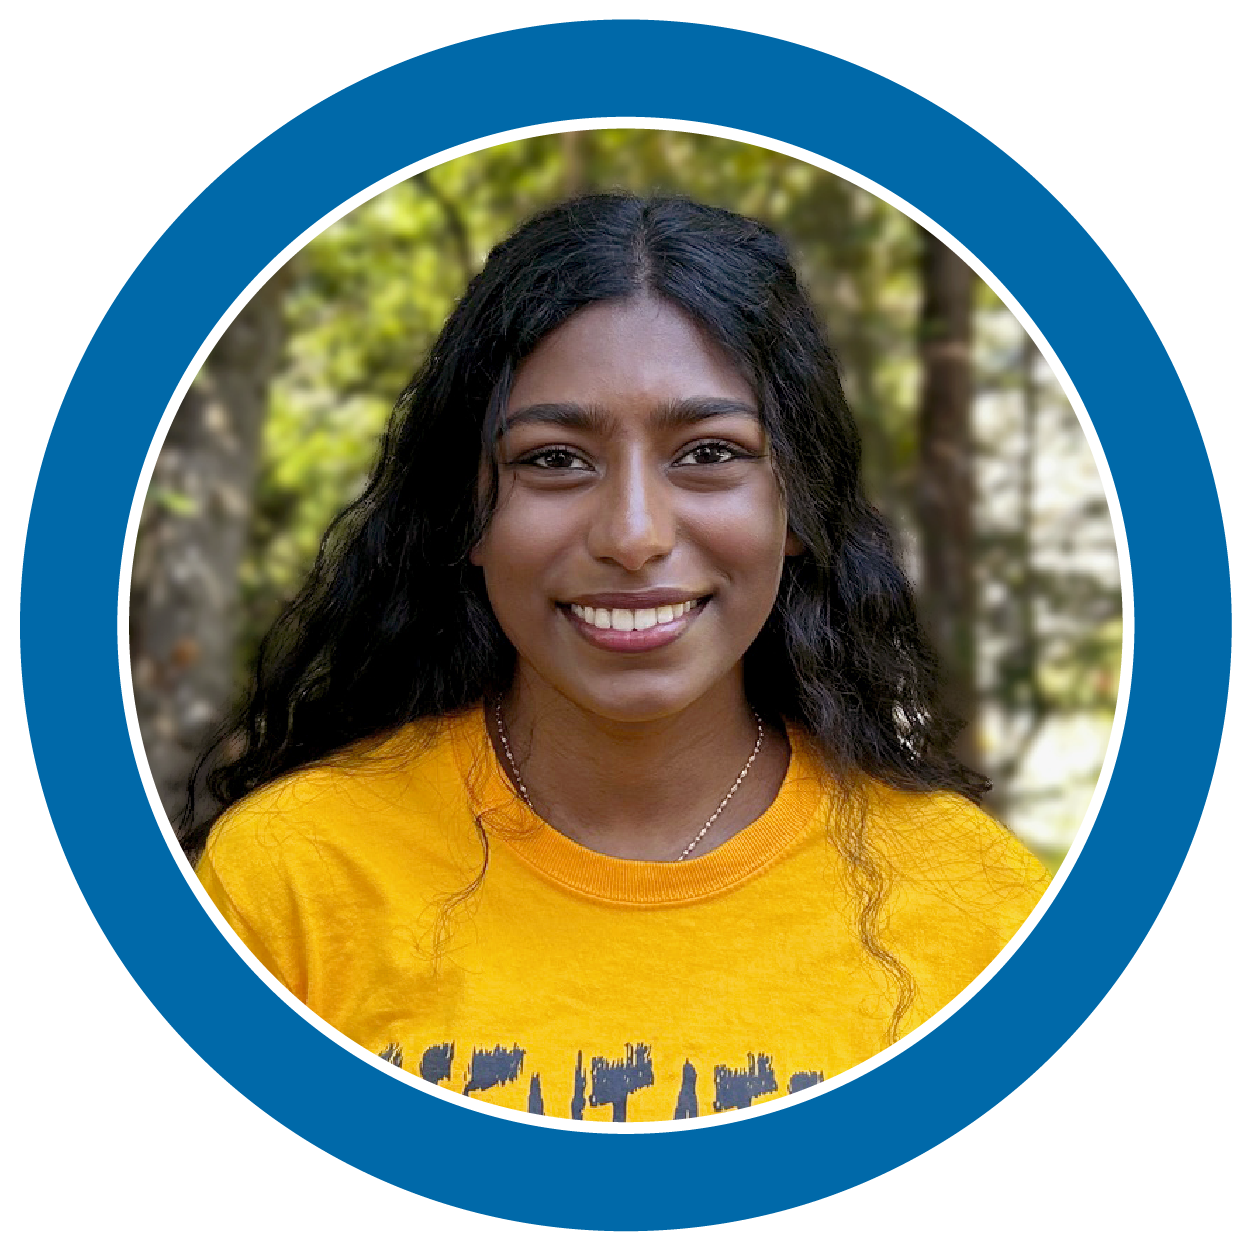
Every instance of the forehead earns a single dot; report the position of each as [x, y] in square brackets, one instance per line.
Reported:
[641, 351]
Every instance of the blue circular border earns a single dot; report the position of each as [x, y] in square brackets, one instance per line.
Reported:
[801, 1152]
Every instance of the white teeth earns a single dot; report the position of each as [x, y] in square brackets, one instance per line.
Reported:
[625, 621]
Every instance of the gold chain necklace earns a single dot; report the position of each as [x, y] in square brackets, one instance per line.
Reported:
[738, 781]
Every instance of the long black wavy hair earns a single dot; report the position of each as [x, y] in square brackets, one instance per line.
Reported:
[393, 623]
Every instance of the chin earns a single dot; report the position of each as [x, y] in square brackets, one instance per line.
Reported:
[634, 702]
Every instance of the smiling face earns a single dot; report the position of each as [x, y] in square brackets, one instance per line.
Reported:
[637, 545]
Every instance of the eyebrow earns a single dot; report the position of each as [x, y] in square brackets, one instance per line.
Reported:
[594, 419]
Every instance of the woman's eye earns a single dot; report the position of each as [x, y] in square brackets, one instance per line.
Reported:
[554, 458]
[708, 453]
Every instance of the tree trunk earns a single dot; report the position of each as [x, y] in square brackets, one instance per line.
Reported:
[945, 479]
[184, 588]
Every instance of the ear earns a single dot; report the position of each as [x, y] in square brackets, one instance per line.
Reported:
[794, 547]
[475, 554]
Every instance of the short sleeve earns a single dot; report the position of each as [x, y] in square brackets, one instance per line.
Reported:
[257, 894]
[961, 886]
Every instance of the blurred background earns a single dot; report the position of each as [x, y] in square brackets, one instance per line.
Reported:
[971, 448]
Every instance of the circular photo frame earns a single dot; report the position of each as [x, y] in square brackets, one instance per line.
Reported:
[808, 1148]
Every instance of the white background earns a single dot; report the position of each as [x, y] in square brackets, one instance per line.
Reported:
[118, 115]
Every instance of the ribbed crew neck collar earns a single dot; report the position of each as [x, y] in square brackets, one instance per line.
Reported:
[797, 811]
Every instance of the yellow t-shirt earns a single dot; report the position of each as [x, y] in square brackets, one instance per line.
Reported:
[569, 983]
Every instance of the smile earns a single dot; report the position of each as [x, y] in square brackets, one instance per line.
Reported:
[636, 629]
[627, 620]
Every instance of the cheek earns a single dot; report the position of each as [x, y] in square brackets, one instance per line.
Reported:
[517, 555]
[750, 539]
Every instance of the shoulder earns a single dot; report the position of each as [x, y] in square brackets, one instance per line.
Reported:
[383, 828]
[959, 887]
[941, 843]
[412, 780]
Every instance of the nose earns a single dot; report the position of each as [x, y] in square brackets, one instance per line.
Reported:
[633, 521]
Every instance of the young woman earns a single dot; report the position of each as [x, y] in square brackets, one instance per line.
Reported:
[597, 770]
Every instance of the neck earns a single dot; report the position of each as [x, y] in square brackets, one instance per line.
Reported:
[641, 790]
